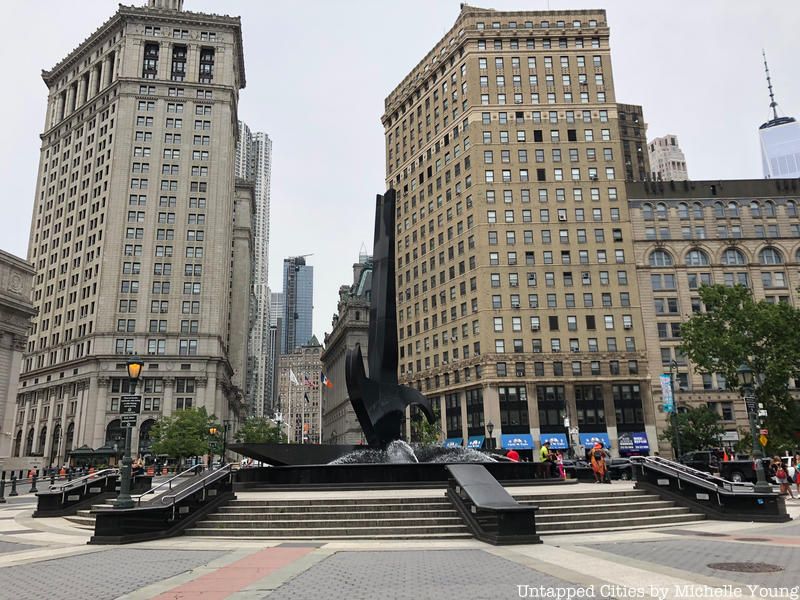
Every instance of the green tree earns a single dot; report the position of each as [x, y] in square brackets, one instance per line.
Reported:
[260, 430]
[699, 429]
[183, 434]
[425, 433]
[736, 329]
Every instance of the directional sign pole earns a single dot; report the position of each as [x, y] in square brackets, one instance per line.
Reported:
[130, 407]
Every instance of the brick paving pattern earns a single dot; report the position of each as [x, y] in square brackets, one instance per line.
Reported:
[693, 555]
[99, 575]
[413, 575]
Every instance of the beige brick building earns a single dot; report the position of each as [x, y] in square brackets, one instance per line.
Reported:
[141, 238]
[516, 280]
[709, 232]
[299, 405]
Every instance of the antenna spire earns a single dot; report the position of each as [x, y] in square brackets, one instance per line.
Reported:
[772, 104]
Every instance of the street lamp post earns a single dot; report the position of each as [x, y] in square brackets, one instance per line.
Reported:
[676, 433]
[747, 382]
[124, 500]
[490, 429]
[213, 432]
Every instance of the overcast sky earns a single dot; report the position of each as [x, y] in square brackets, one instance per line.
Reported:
[318, 73]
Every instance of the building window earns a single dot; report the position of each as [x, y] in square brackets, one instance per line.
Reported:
[178, 72]
[150, 64]
[206, 74]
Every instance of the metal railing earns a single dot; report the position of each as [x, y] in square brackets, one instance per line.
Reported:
[76, 483]
[684, 472]
[168, 482]
[198, 485]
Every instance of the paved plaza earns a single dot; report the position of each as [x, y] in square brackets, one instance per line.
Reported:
[50, 559]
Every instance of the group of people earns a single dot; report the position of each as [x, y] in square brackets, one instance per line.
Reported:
[780, 473]
[553, 462]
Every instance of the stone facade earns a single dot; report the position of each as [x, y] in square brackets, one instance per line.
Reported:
[133, 234]
[516, 278]
[667, 160]
[350, 326]
[300, 404]
[16, 310]
[633, 133]
[709, 232]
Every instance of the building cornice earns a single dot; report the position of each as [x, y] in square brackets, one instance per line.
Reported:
[126, 13]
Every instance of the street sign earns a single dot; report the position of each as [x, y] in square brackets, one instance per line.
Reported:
[762, 440]
[762, 413]
[668, 402]
[764, 432]
[751, 405]
[130, 405]
[128, 420]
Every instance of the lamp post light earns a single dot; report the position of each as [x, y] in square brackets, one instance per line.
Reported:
[676, 432]
[124, 500]
[489, 430]
[747, 382]
[213, 433]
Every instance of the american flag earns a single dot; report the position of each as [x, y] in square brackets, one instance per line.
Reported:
[309, 384]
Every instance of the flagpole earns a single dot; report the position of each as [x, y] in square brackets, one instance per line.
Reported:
[303, 419]
[289, 425]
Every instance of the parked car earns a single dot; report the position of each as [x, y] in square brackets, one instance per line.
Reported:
[741, 470]
[702, 460]
[620, 468]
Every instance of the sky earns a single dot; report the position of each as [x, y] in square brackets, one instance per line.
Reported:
[318, 72]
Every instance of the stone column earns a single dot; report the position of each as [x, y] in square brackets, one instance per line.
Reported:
[201, 394]
[70, 100]
[491, 411]
[61, 455]
[48, 441]
[169, 399]
[92, 82]
[533, 415]
[109, 71]
[96, 411]
[611, 418]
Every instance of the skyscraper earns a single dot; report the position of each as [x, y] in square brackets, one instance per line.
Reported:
[254, 163]
[667, 161]
[298, 297]
[516, 280]
[138, 230]
[633, 133]
[780, 140]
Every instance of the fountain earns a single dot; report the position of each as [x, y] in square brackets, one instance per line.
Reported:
[399, 452]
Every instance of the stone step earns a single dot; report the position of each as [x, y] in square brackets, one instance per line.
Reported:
[628, 514]
[377, 508]
[624, 528]
[599, 492]
[340, 501]
[267, 535]
[564, 526]
[81, 522]
[602, 507]
[328, 532]
[328, 516]
[328, 523]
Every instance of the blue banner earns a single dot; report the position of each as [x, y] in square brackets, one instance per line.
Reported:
[453, 442]
[475, 442]
[517, 441]
[558, 441]
[588, 440]
[667, 401]
[634, 442]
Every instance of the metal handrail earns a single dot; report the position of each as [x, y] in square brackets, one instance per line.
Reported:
[192, 488]
[83, 480]
[167, 482]
[698, 477]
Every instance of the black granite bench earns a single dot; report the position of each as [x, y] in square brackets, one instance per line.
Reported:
[488, 510]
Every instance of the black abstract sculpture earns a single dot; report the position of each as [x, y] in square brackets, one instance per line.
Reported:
[379, 400]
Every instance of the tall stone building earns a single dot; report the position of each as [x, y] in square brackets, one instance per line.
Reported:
[298, 303]
[667, 160]
[254, 163]
[299, 403]
[633, 133]
[141, 236]
[697, 233]
[350, 326]
[16, 310]
[516, 280]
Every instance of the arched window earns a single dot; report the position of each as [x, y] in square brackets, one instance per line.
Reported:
[42, 439]
[661, 210]
[770, 256]
[647, 212]
[18, 443]
[699, 211]
[29, 442]
[69, 441]
[733, 209]
[732, 256]
[696, 258]
[660, 258]
[55, 443]
[144, 436]
[791, 208]
[683, 210]
[719, 210]
[769, 209]
[114, 431]
[755, 210]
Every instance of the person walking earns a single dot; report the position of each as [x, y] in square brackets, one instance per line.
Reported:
[547, 460]
[797, 472]
[562, 473]
[598, 460]
[778, 470]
